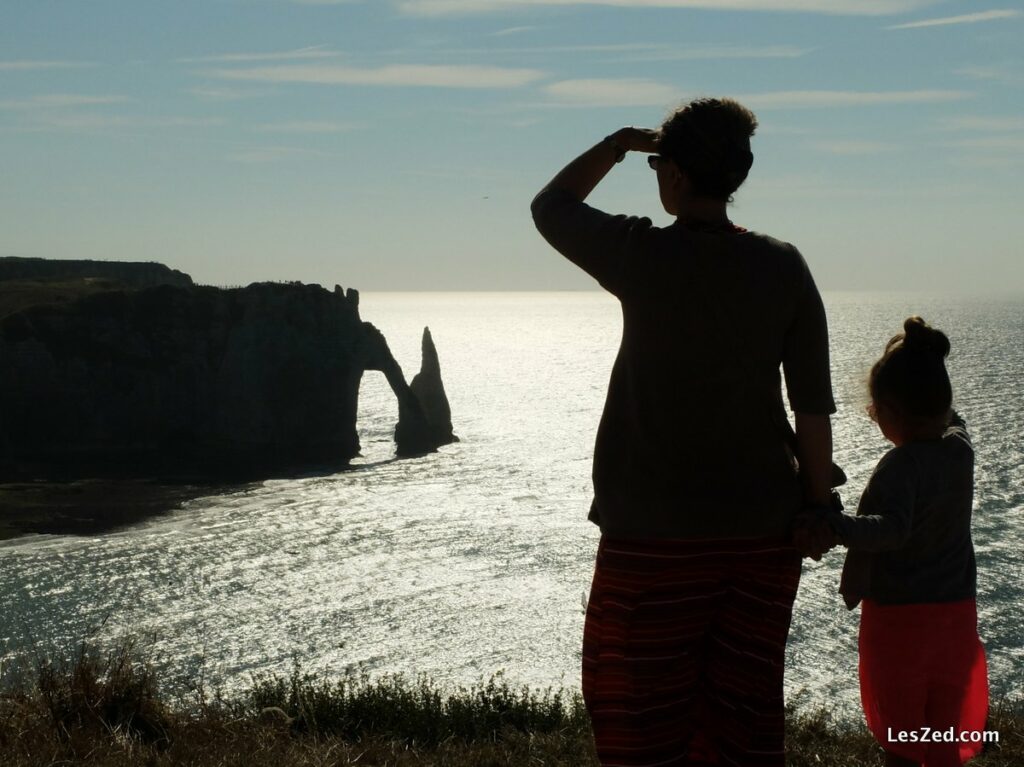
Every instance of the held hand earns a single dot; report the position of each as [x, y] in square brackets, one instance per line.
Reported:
[813, 536]
[637, 139]
[802, 542]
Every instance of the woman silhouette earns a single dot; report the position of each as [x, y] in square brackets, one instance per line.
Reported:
[695, 487]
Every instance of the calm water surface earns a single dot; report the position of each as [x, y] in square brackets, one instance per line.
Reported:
[477, 558]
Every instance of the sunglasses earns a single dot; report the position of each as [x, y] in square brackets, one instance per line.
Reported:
[654, 160]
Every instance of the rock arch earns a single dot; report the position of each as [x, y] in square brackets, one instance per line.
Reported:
[424, 415]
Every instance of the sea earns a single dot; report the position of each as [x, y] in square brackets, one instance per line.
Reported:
[476, 560]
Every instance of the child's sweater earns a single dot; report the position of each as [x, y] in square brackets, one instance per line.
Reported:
[910, 542]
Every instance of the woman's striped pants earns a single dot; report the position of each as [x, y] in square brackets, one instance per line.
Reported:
[683, 651]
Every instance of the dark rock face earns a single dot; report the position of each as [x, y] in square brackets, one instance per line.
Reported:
[198, 378]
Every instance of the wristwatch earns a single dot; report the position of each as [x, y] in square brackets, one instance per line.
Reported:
[620, 151]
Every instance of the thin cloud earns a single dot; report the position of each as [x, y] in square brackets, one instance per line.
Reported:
[832, 7]
[1013, 144]
[94, 122]
[821, 186]
[264, 154]
[207, 93]
[713, 52]
[59, 100]
[646, 51]
[983, 124]
[28, 64]
[821, 99]
[967, 18]
[981, 73]
[854, 147]
[1009, 74]
[305, 126]
[411, 75]
[625, 92]
[768, 128]
[541, 49]
[1003, 161]
[511, 31]
[311, 52]
[992, 151]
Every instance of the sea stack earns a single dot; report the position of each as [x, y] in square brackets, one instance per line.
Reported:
[425, 428]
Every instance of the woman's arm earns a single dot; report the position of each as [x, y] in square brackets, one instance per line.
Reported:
[814, 452]
[579, 177]
[805, 363]
[812, 535]
[601, 244]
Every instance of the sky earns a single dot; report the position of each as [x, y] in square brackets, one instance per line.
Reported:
[396, 144]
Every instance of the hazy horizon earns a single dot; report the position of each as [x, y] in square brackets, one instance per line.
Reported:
[1009, 292]
[396, 144]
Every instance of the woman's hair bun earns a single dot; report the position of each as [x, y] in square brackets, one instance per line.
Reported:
[919, 336]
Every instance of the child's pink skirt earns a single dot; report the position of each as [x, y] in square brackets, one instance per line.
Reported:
[923, 666]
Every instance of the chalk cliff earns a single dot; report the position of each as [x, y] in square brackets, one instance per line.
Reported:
[136, 274]
[177, 376]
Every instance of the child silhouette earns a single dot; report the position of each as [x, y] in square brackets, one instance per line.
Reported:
[910, 562]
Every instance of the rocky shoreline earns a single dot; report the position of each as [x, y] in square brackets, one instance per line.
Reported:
[91, 506]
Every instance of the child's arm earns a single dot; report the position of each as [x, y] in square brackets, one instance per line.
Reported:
[885, 514]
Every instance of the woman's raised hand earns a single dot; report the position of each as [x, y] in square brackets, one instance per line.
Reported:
[637, 139]
[579, 177]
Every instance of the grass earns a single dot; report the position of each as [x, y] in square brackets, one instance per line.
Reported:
[106, 709]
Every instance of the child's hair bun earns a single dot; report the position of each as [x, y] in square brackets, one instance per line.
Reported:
[919, 336]
[911, 376]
